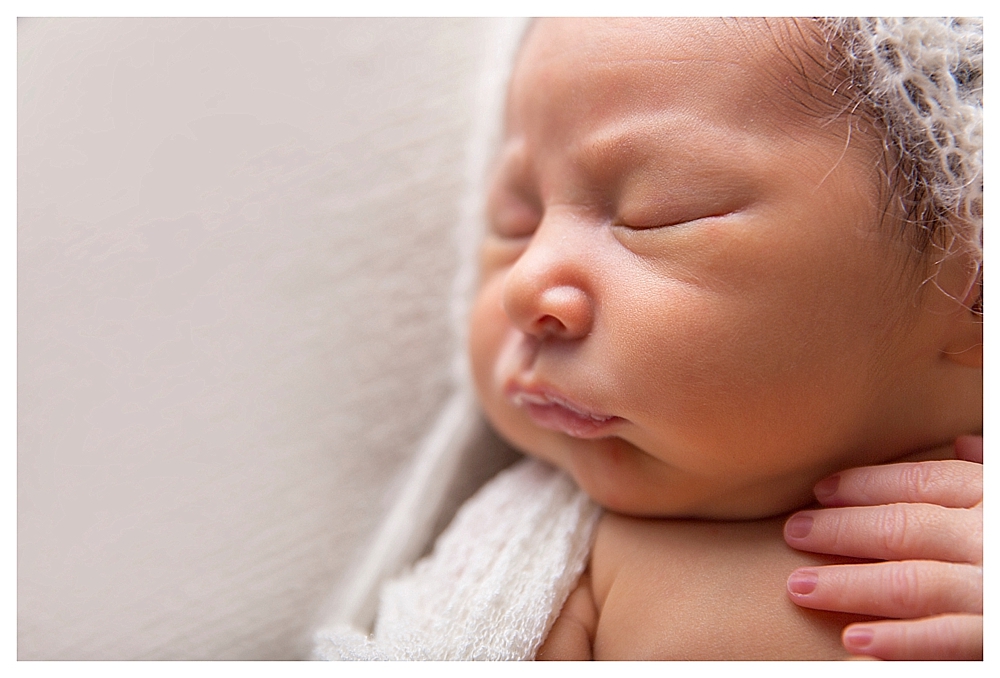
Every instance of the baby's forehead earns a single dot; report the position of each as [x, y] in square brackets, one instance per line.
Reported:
[750, 68]
[601, 89]
[767, 42]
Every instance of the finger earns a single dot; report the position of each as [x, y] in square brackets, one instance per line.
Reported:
[890, 532]
[948, 637]
[899, 589]
[952, 483]
[970, 448]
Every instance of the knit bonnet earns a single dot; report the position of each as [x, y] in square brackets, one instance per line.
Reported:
[922, 79]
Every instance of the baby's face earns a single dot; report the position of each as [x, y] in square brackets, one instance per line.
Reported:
[687, 301]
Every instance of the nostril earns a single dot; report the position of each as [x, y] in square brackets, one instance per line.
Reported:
[549, 325]
[563, 312]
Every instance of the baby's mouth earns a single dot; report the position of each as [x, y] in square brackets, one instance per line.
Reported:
[557, 413]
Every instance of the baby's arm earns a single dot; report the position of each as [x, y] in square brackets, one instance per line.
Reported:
[925, 520]
[572, 635]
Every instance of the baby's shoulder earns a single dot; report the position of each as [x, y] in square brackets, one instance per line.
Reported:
[685, 589]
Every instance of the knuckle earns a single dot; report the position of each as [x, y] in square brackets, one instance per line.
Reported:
[904, 586]
[894, 528]
[840, 529]
[919, 481]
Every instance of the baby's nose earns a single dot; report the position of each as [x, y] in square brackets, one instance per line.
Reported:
[558, 312]
[546, 291]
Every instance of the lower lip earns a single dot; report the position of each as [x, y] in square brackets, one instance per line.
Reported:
[557, 418]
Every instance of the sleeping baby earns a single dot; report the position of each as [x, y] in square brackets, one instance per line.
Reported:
[726, 259]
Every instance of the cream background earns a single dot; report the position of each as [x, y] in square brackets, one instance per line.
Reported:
[237, 255]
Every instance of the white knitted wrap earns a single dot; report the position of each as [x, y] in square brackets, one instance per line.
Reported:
[495, 583]
[924, 78]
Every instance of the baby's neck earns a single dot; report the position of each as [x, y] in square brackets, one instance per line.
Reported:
[932, 454]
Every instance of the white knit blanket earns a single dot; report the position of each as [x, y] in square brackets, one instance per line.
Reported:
[495, 582]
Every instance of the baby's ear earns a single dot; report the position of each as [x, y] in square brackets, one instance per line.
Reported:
[956, 293]
[964, 344]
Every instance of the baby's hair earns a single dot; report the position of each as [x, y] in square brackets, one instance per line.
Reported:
[921, 81]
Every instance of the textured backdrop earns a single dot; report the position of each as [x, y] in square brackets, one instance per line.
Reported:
[236, 255]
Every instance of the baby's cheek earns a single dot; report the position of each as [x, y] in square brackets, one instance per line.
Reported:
[487, 325]
[676, 352]
[704, 377]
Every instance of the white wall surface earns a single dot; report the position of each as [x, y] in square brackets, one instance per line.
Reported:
[235, 262]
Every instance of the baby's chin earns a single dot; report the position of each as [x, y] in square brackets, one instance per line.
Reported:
[625, 479]
[708, 508]
[630, 491]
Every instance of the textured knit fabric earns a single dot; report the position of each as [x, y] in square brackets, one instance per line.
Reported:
[495, 582]
[924, 78]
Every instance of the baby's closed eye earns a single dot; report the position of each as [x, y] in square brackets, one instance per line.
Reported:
[511, 216]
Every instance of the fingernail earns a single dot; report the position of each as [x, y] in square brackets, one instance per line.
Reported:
[858, 638]
[798, 527]
[827, 487]
[802, 582]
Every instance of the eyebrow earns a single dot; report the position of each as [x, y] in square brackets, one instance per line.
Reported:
[640, 137]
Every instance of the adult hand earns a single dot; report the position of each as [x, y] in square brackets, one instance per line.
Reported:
[924, 520]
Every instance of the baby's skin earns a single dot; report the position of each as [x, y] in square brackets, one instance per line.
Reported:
[696, 591]
[696, 301]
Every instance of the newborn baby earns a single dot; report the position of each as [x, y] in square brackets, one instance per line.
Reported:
[702, 292]
[725, 260]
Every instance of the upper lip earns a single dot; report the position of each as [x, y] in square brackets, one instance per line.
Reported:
[541, 395]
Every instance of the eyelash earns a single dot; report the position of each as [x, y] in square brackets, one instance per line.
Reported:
[679, 222]
[632, 227]
[524, 234]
